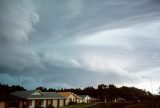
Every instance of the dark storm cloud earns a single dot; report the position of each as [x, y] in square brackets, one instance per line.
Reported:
[61, 77]
[78, 43]
[17, 20]
[92, 16]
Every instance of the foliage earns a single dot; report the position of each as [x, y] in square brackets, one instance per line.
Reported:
[8, 89]
[102, 92]
[82, 105]
[44, 89]
[72, 103]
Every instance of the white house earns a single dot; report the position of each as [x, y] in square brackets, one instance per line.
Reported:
[70, 97]
[85, 98]
[120, 99]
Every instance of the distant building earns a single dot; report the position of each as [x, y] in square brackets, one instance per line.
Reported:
[120, 99]
[85, 98]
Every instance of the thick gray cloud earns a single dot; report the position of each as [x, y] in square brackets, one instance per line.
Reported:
[17, 20]
[78, 43]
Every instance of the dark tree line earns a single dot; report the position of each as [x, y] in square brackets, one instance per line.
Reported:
[102, 92]
[106, 92]
[6, 89]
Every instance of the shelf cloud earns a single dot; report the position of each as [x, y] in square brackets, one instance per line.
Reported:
[79, 43]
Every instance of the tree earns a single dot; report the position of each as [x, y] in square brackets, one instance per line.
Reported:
[16, 88]
[102, 92]
[112, 91]
[51, 90]
[102, 87]
[89, 91]
[44, 89]
[6, 89]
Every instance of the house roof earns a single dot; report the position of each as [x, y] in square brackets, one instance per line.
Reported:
[42, 95]
[67, 94]
[83, 96]
[23, 94]
[55, 95]
[5, 96]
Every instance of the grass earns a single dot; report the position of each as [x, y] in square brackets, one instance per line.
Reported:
[126, 105]
[109, 105]
[81, 105]
[151, 104]
[137, 106]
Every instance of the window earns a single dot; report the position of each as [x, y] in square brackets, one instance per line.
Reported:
[30, 102]
[39, 103]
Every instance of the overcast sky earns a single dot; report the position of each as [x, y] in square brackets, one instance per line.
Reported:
[79, 43]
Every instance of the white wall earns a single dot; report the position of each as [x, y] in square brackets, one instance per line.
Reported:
[32, 105]
[87, 99]
[55, 103]
[61, 102]
[44, 103]
[71, 98]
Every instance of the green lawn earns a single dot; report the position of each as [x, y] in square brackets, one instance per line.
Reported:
[137, 106]
[81, 105]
